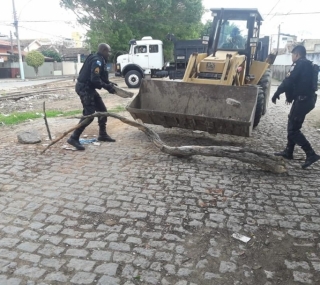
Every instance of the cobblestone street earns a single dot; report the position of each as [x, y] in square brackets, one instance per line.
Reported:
[125, 213]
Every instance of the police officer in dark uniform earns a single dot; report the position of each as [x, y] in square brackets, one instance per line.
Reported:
[299, 88]
[93, 75]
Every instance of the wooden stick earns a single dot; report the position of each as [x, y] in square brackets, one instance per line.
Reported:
[65, 133]
[260, 159]
[45, 120]
[123, 93]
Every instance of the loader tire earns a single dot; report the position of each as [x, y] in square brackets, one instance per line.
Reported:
[133, 79]
[259, 108]
[265, 84]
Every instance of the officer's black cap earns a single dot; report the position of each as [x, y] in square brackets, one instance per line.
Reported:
[300, 50]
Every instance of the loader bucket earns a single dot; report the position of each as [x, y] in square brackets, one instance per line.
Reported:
[203, 107]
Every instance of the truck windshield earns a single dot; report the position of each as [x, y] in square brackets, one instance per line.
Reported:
[233, 35]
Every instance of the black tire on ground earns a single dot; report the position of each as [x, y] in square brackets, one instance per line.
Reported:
[265, 84]
[133, 79]
[259, 108]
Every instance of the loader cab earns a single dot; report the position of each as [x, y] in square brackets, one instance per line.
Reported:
[236, 30]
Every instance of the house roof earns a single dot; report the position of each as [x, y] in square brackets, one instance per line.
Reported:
[6, 43]
[71, 53]
[22, 52]
[47, 47]
[14, 52]
[65, 52]
[25, 43]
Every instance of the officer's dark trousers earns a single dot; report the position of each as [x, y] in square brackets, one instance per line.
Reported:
[297, 115]
[91, 102]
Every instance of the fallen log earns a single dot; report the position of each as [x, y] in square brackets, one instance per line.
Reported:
[260, 159]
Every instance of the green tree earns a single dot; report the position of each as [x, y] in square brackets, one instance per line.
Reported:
[52, 54]
[35, 59]
[206, 28]
[118, 21]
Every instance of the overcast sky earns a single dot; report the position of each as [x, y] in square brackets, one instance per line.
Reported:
[295, 17]
[49, 19]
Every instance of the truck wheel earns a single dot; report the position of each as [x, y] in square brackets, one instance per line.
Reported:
[133, 79]
[259, 108]
[265, 84]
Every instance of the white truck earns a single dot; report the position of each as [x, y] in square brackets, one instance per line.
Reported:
[145, 58]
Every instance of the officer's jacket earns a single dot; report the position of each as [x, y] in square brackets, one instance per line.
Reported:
[299, 80]
[94, 72]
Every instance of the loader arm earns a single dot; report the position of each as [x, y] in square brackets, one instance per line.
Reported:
[224, 66]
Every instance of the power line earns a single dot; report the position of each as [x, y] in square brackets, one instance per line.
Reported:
[289, 14]
[273, 7]
[42, 21]
[45, 33]
[48, 21]
[7, 25]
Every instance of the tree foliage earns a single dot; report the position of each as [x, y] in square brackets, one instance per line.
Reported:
[118, 21]
[52, 54]
[35, 59]
[206, 28]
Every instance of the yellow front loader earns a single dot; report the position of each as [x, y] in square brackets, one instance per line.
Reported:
[225, 90]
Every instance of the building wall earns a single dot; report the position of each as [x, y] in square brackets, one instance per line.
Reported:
[5, 49]
[283, 62]
[315, 57]
[12, 70]
[71, 68]
[77, 39]
[32, 46]
[279, 72]
[284, 40]
[283, 59]
[46, 69]
[312, 46]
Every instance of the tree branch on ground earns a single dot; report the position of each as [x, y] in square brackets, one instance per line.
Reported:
[260, 159]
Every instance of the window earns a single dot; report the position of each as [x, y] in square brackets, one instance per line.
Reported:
[140, 49]
[153, 48]
[233, 35]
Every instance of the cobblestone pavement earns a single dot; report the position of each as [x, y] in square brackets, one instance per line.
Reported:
[125, 213]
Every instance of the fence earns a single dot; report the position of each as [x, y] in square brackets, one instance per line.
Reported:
[11, 70]
[279, 72]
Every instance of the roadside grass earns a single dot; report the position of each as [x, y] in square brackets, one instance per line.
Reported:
[20, 117]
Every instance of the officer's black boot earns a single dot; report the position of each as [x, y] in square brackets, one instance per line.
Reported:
[74, 140]
[103, 136]
[287, 153]
[311, 158]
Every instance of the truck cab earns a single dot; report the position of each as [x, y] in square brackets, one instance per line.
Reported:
[145, 58]
[182, 51]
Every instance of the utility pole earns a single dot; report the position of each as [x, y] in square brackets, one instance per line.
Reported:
[11, 41]
[18, 40]
[278, 38]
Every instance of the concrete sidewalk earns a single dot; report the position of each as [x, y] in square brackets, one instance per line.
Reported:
[57, 77]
